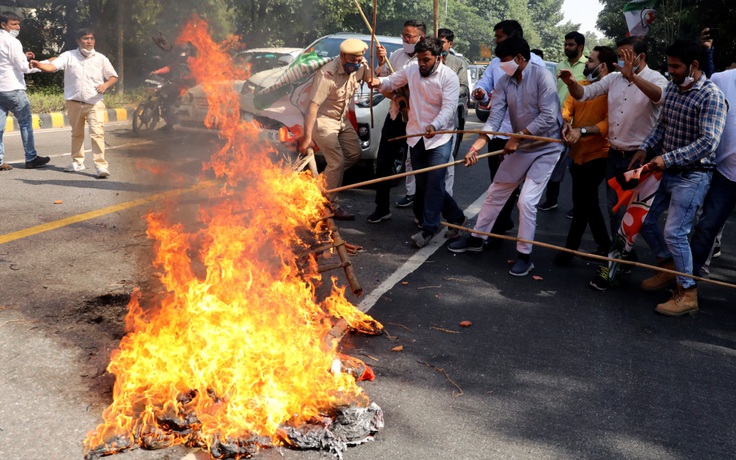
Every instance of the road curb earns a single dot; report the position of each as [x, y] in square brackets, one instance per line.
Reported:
[60, 119]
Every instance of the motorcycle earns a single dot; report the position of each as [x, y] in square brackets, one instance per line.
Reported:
[149, 111]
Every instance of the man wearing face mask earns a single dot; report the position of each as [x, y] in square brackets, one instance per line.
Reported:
[87, 77]
[326, 120]
[434, 90]
[13, 97]
[574, 46]
[529, 94]
[394, 125]
[586, 130]
[460, 67]
[683, 146]
[634, 103]
[482, 93]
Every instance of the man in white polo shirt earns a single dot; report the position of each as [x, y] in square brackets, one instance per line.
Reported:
[87, 77]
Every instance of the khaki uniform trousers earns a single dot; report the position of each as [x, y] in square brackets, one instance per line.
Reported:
[94, 114]
[340, 147]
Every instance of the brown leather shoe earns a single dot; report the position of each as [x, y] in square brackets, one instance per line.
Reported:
[341, 214]
[683, 301]
[5, 167]
[661, 279]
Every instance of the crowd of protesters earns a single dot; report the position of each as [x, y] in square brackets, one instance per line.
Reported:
[662, 147]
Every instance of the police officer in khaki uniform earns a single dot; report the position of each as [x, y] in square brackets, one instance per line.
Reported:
[326, 119]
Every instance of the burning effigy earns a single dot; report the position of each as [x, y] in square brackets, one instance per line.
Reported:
[239, 353]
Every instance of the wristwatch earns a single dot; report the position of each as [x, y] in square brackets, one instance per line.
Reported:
[583, 131]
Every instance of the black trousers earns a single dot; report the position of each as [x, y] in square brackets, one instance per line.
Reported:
[503, 221]
[388, 154]
[586, 178]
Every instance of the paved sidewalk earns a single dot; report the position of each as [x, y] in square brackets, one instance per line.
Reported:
[60, 120]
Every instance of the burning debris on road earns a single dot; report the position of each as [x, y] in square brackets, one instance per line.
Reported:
[239, 354]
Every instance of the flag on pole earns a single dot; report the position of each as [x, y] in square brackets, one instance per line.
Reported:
[639, 16]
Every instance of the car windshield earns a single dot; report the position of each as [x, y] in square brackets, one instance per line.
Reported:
[259, 61]
[330, 46]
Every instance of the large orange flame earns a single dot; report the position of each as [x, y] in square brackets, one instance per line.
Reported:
[238, 345]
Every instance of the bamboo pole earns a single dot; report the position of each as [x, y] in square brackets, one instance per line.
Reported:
[436, 17]
[590, 256]
[373, 53]
[491, 133]
[408, 173]
[373, 34]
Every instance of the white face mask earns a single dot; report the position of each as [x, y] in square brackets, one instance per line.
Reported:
[86, 53]
[509, 67]
[688, 80]
[409, 47]
[14, 32]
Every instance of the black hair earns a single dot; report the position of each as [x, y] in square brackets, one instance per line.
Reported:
[84, 31]
[607, 56]
[513, 46]
[446, 34]
[639, 44]
[577, 36]
[538, 52]
[684, 50]
[420, 25]
[510, 27]
[6, 16]
[431, 44]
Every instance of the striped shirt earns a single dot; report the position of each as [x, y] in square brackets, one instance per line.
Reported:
[690, 126]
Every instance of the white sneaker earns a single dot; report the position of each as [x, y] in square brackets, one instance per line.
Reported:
[74, 167]
[102, 173]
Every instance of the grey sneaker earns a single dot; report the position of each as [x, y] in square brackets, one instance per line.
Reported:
[405, 202]
[521, 268]
[422, 238]
[467, 243]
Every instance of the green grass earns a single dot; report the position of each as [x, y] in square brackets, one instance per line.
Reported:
[51, 99]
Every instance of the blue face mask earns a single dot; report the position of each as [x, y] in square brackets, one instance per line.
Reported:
[350, 68]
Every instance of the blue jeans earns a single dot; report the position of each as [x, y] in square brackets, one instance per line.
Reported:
[432, 200]
[718, 204]
[17, 102]
[681, 194]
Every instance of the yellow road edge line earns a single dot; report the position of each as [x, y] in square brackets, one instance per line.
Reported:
[36, 121]
[9, 124]
[122, 114]
[13, 236]
[57, 119]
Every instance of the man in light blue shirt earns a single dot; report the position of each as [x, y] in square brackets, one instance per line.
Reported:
[482, 93]
[528, 95]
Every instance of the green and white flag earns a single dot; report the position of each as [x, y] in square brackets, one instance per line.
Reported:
[639, 16]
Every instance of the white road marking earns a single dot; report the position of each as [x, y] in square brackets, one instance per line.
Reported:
[114, 147]
[414, 261]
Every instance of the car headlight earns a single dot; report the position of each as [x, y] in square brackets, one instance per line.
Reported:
[363, 131]
[362, 100]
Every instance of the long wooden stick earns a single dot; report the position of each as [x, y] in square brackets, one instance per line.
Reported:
[373, 34]
[436, 17]
[491, 133]
[590, 256]
[373, 53]
[408, 173]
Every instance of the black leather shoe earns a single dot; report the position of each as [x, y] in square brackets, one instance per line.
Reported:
[37, 162]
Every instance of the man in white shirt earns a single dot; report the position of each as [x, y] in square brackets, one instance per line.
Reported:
[634, 103]
[434, 89]
[87, 77]
[13, 97]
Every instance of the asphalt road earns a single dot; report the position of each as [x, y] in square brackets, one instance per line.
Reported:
[550, 369]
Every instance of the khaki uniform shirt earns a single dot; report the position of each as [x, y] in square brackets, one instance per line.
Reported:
[332, 88]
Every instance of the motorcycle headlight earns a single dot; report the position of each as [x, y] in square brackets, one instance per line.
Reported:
[363, 131]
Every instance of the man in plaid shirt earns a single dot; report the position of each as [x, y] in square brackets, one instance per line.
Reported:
[683, 145]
